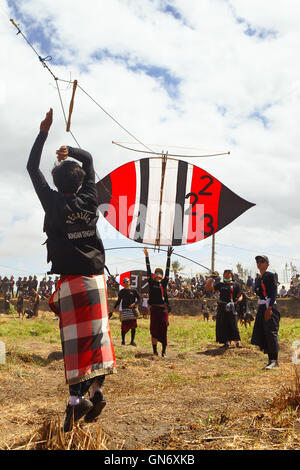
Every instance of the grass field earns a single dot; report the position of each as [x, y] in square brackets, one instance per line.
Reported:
[200, 397]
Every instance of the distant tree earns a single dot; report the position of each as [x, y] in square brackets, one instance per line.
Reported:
[240, 270]
[176, 266]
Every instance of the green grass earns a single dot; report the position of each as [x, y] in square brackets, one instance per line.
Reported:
[15, 329]
[289, 330]
[184, 333]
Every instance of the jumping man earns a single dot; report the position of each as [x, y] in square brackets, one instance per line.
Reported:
[128, 298]
[76, 253]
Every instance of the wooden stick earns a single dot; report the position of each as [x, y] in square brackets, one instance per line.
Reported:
[71, 106]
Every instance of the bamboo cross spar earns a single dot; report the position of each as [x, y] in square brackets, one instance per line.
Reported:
[71, 106]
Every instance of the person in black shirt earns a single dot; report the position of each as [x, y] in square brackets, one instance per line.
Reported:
[7, 298]
[76, 253]
[19, 285]
[266, 326]
[128, 298]
[35, 303]
[159, 303]
[226, 319]
[71, 213]
[20, 305]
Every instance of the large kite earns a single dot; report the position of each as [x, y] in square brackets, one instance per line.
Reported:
[167, 202]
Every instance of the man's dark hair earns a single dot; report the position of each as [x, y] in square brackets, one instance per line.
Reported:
[68, 176]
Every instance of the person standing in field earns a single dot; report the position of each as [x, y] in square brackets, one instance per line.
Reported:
[159, 304]
[76, 253]
[129, 299]
[144, 306]
[226, 319]
[20, 305]
[266, 325]
[35, 303]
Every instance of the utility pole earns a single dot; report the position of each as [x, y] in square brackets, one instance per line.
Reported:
[213, 253]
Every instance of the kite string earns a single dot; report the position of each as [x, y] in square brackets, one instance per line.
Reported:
[34, 50]
[104, 186]
[170, 154]
[115, 120]
[68, 81]
[151, 248]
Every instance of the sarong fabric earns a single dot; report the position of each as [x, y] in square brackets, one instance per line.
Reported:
[226, 325]
[127, 325]
[265, 332]
[159, 322]
[81, 304]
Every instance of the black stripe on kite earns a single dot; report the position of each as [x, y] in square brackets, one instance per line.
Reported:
[104, 192]
[180, 201]
[143, 202]
[231, 206]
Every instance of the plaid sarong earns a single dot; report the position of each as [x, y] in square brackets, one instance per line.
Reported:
[127, 325]
[81, 304]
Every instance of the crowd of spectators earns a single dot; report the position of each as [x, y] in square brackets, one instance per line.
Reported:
[195, 288]
[25, 286]
[178, 287]
[293, 290]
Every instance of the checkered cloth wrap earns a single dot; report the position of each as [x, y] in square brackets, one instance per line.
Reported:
[81, 304]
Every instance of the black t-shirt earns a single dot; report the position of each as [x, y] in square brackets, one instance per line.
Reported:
[269, 281]
[73, 243]
[227, 290]
[158, 294]
[127, 297]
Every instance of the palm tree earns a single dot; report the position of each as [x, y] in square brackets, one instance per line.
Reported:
[176, 267]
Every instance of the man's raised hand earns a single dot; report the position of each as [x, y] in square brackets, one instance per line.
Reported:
[62, 153]
[46, 123]
[170, 250]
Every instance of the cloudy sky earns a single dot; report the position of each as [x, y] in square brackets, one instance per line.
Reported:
[215, 75]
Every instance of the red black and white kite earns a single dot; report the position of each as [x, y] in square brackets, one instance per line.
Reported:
[167, 202]
[138, 280]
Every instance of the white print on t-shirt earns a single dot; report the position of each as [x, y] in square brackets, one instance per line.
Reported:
[71, 219]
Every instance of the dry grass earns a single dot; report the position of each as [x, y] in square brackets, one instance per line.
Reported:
[200, 397]
[277, 427]
[51, 437]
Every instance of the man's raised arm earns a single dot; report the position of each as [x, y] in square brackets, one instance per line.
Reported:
[40, 184]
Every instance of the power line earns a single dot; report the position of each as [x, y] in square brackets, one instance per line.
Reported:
[115, 120]
[258, 251]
